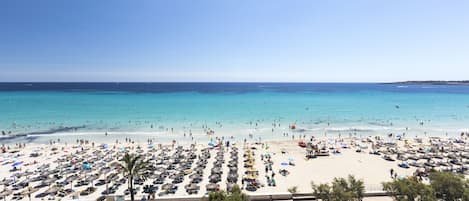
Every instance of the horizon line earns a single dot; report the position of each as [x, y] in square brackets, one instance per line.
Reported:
[279, 82]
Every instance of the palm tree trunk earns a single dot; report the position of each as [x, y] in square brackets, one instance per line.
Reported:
[131, 190]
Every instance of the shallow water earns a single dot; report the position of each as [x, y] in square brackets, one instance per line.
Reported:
[165, 111]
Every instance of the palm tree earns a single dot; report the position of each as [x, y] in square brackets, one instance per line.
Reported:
[132, 166]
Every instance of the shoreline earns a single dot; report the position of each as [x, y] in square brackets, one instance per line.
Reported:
[203, 134]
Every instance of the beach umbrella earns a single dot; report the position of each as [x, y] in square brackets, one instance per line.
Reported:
[86, 166]
[6, 192]
[214, 177]
[167, 186]
[49, 181]
[211, 187]
[201, 163]
[216, 170]
[191, 186]
[251, 169]
[284, 163]
[187, 171]
[229, 186]
[232, 177]
[250, 163]
[52, 190]
[160, 169]
[217, 163]
[17, 163]
[250, 177]
[71, 178]
[211, 143]
[192, 176]
[284, 172]
[29, 191]
[199, 169]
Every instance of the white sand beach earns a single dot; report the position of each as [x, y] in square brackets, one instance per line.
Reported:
[45, 168]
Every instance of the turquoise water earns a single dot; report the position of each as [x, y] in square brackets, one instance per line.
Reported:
[368, 109]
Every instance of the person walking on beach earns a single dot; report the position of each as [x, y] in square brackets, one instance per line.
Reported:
[392, 172]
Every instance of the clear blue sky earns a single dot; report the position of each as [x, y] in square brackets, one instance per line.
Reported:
[255, 40]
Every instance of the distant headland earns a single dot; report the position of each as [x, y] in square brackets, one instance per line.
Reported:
[433, 82]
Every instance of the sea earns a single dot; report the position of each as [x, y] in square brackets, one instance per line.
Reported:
[200, 112]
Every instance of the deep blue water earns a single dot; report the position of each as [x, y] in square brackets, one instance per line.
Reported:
[231, 87]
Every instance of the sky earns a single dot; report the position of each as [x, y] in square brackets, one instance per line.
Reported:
[233, 40]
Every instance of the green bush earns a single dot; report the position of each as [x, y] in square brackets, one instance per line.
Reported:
[409, 189]
[342, 189]
[443, 186]
[448, 186]
[293, 189]
[234, 195]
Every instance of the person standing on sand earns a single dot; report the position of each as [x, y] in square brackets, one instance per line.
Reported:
[392, 172]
